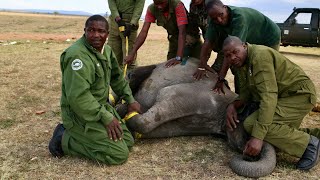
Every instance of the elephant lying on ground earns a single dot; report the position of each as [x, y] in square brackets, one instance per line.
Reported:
[175, 104]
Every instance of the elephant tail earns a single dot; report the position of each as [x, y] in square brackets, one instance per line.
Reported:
[254, 169]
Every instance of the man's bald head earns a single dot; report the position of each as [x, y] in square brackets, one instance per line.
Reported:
[213, 3]
[232, 40]
[235, 51]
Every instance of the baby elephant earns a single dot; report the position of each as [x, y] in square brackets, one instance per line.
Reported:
[175, 104]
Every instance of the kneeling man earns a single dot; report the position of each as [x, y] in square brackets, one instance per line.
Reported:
[91, 127]
[285, 95]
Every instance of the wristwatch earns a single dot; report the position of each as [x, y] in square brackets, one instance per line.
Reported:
[178, 58]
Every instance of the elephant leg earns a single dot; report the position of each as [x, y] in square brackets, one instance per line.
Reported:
[187, 126]
[237, 138]
[122, 109]
[138, 75]
[172, 103]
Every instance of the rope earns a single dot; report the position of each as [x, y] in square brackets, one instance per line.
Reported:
[130, 115]
[112, 99]
[127, 49]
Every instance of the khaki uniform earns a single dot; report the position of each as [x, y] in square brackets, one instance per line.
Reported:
[130, 12]
[86, 77]
[286, 95]
[193, 41]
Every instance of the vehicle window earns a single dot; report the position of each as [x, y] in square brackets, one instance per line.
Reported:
[303, 18]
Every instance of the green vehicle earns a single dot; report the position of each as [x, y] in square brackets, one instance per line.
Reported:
[302, 28]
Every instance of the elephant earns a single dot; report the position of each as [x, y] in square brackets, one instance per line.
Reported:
[175, 104]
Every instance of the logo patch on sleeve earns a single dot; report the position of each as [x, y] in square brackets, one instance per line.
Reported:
[76, 64]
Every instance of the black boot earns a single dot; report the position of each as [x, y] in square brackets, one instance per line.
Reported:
[311, 155]
[55, 146]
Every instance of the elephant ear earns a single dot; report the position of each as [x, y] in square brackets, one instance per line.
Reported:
[255, 169]
[138, 75]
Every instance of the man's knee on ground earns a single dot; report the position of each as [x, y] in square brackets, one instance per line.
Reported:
[114, 157]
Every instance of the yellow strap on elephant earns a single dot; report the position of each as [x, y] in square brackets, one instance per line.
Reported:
[112, 99]
[126, 65]
[125, 70]
[130, 115]
[138, 135]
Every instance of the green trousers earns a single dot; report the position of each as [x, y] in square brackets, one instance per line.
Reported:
[117, 42]
[284, 131]
[189, 51]
[92, 141]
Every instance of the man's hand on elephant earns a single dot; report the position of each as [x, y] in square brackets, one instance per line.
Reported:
[253, 147]
[200, 73]
[114, 130]
[218, 87]
[172, 62]
[232, 118]
[135, 106]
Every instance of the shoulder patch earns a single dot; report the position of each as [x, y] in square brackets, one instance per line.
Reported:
[76, 64]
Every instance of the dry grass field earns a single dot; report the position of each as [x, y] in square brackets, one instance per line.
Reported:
[30, 47]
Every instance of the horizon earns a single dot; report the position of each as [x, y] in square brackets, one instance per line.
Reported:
[276, 11]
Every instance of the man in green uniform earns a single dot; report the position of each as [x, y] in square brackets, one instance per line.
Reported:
[246, 23]
[91, 127]
[199, 15]
[284, 94]
[124, 13]
[184, 39]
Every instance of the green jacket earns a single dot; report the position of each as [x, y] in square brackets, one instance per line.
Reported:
[129, 10]
[269, 75]
[86, 77]
[249, 25]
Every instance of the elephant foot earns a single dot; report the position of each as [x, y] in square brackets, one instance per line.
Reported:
[260, 166]
[137, 124]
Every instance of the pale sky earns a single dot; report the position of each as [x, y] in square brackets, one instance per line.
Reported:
[276, 10]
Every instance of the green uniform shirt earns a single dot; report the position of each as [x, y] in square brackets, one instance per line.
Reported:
[129, 10]
[86, 77]
[269, 75]
[247, 24]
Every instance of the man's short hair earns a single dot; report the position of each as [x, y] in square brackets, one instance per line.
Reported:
[211, 3]
[232, 39]
[97, 17]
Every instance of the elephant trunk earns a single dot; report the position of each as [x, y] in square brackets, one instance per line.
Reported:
[254, 169]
